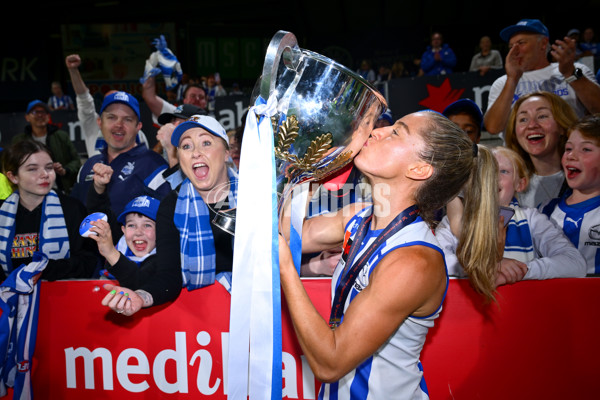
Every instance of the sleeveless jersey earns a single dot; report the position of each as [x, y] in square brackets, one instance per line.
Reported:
[394, 371]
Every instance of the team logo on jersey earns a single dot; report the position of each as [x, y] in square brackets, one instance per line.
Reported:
[571, 220]
[595, 232]
[127, 170]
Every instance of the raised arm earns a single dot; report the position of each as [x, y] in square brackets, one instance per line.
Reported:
[153, 101]
[73, 62]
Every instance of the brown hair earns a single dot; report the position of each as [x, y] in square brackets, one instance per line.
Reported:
[563, 114]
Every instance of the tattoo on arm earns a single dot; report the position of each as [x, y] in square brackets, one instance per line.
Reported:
[146, 297]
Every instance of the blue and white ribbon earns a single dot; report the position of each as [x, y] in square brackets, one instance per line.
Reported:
[255, 320]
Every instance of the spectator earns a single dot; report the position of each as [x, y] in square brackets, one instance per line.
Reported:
[468, 116]
[64, 153]
[36, 218]
[182, 86]
[86, 110]
[213, 90]
[423, 160]
[135, 165]
[190, 250]
[169, 122]
[528, 70]
[235, 90]
[534, 248]
[366, 71]
[193, 93]
[438, 58]
[590, 47]
[399, 70]
[128, 245]
[578, 210]
[487, 58]
[59, 100]
[537, 127]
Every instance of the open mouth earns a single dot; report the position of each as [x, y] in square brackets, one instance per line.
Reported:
[535, 138]
[140, 245]
[572, 172]
[200, 170]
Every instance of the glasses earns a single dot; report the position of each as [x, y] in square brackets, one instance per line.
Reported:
[39, 112]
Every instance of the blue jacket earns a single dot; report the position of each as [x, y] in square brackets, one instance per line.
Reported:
[133, 172]
[443, 67]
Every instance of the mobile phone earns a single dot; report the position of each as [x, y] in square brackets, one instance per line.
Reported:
[507, 213]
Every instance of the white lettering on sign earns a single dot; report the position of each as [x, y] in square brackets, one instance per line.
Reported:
[135, 362]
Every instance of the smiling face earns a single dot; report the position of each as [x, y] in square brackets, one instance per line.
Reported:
[35, 176]
[581, 163]
[509, 181]
[529, 49]
[202, 158]
[140, 233]
[536, 130]
[119, 125]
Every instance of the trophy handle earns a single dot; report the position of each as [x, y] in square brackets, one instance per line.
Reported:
[283, 44]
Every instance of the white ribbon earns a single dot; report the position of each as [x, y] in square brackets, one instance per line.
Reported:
[254, 366]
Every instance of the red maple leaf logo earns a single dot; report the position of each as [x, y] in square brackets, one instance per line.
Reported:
[440, 98]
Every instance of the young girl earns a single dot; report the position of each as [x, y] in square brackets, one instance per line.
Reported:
[36, 218]
[534, 247]
[536, 130]
[578, 211]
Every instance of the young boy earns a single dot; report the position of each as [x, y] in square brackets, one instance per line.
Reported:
[578, 210]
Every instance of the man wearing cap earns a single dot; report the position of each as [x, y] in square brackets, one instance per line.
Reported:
[468, 116]
[169, 122]
[64, 154]
[86, 110]
[528, 70]
[134, 165]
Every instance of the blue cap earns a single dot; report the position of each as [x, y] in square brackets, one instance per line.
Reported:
[124, 98]
[36, 103]
[199, 121]
[524, 25]
[144, 205]
[468, 106]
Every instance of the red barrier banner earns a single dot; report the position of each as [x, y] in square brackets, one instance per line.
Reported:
[539, 341]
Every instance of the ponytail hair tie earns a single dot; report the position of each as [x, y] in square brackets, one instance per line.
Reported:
[475, 150]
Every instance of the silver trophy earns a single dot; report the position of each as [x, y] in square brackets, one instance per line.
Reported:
[325, 114]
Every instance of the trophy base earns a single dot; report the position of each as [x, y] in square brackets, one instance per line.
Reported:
[225, 220]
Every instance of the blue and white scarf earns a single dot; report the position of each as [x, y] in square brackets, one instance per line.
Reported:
[53, 238]
[196, 242]
[518, 244]
[126, 251]
[19, 304]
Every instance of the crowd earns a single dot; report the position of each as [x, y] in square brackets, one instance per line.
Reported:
[438, 217]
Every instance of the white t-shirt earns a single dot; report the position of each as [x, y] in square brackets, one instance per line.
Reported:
[548, 79]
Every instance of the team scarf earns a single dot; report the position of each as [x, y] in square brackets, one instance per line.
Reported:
[53, 238]
[196, 242]
[518, 244]
[19, 305]
[122, 248]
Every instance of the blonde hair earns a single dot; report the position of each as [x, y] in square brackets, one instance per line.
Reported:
[477, 249]
[562, 112]
[517, 162]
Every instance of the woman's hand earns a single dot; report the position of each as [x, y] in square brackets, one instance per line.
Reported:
[122, 300]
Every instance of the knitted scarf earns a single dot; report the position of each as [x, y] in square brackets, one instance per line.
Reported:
[196, 242]
[53, 238]
[518, 245]
[122, 248]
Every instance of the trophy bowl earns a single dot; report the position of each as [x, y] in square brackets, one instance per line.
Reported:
[325, 112]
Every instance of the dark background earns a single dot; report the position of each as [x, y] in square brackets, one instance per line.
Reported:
[347, 31]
